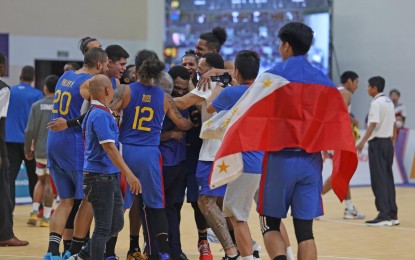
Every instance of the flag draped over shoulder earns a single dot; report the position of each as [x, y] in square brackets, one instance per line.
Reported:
[292, 105]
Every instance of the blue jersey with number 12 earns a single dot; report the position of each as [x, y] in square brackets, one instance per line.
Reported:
[65, 148]
[143, 117]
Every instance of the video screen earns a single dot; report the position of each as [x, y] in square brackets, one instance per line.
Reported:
[250, 24]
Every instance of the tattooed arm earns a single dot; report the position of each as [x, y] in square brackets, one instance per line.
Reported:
[121, 98]
[171, 111]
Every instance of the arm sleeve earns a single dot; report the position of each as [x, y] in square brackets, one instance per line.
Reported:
[75, 121]
[103, 126]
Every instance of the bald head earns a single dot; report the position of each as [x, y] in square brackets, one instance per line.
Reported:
[100, 88]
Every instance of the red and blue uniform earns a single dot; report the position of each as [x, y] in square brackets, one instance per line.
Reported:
[65, 149]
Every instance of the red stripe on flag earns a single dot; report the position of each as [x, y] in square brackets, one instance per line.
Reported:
[310, 116]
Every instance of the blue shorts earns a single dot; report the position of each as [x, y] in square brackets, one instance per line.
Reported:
[291, 178]
[67, 182]
[190, 187]
[202, 178]
[145, 162]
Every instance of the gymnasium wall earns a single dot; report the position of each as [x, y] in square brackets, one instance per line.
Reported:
[376, 37]
[42, 28]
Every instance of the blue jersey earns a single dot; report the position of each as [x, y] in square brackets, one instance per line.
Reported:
[143, 117]
[225, 101]
[99, 127]
[172, 151]
[22, 97]
[113, 82]
[65, 148]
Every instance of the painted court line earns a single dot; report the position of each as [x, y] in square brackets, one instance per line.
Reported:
[361, 224]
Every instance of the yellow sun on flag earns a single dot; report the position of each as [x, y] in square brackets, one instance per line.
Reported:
[267, 83]
[223, 167]
[226, 122]
[208, 123]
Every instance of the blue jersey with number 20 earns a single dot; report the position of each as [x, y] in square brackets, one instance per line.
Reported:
[65, 148]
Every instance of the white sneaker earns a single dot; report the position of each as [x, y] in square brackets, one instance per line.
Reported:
[212, 238]
[256, 248]
[395, 222]
[353, 214]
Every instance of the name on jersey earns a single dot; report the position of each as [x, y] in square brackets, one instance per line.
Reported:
[48, 107]
[67, 83]
[146, 98]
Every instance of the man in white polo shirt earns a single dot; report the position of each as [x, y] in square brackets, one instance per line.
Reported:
[379, 133]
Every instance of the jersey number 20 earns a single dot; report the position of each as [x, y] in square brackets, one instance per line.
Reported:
[64, 99]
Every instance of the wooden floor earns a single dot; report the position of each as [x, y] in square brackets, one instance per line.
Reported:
[336, 238]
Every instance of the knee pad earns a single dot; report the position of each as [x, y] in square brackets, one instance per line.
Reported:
[269, 224]
[71, 217]
[303, 229]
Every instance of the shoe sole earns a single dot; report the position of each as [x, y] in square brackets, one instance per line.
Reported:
[352, 217]
[395, 222]
[380, 224]
[32, 222]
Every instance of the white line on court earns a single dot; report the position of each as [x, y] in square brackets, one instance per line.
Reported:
[348, 222]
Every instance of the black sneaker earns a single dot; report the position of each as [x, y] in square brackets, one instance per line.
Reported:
[378, 222]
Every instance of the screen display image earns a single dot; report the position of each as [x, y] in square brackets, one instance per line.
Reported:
[250, 24]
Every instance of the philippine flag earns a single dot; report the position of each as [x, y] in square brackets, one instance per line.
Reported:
[293, 105]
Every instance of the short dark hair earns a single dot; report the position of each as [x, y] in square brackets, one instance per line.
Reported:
[27, 74]
[215, 39]
[116, 52]
[93, 56]
[3, 59]
[125, 74]
[348, 75]
[247, 62]
[377, 82]
[214, 60]
[75, 65]
[190, 53]
[143, 55]
[395, 91]
[84, 42]
[298, 35]
[179, 71]
[151, 69]
[50, 83]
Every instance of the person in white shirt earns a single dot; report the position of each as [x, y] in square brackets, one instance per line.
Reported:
[7, 237]
[379, 134]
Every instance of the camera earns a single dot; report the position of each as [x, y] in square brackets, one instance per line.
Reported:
[225, 78]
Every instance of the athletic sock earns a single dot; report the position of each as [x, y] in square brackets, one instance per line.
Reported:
[35, 206]
[76, 245]
[134, 247]
[290, 254]
[66, 245]
[349, 204]
[47, 212]
[202, 236]
[54, 241]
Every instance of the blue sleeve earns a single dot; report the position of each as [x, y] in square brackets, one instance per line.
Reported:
[40, 95]
[103, 125]
[223, 101]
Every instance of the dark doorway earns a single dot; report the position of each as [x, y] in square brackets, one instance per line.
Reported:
[44, 68]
